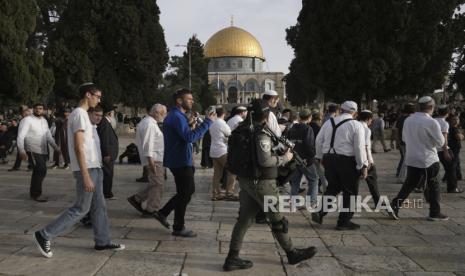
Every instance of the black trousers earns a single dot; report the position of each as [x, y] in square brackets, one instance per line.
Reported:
[342, 175]
[185, 187]
[372, 182]
[432, 191]
[39, 171]
[450, 168]
[107, 169]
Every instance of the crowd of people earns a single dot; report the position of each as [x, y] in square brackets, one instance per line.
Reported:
[248, 148]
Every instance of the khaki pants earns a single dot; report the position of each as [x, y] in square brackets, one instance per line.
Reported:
[151, 196]
[219, 165]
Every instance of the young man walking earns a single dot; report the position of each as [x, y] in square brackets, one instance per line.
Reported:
[86, 163]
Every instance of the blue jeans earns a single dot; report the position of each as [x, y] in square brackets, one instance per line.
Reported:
[312, 178]
[85, 201]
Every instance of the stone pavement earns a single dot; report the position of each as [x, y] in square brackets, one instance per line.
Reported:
[409, 246]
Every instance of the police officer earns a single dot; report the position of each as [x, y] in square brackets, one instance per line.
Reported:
[341, 144]
[252, 194]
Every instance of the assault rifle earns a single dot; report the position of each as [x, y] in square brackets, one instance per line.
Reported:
[297, 162]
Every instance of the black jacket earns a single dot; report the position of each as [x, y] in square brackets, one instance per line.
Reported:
[108, 139]
[304, 139]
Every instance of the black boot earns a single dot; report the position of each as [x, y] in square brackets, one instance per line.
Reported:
[295, 256]
[233, 262]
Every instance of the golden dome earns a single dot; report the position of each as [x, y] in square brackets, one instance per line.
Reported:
[233, 42]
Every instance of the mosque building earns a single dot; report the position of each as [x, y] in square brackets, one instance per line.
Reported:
[236, 68]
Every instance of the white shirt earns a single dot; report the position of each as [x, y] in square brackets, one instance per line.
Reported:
[349, 140]
[34, 134]
[219, 131]
[234, 121]
[368, 142]
[421, 134]
[149, 140]
[273, 124]
[78, 120]
[444, 125]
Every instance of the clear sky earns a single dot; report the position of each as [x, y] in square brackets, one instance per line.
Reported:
[267, 20]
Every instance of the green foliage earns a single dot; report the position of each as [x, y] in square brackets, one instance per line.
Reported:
[23, 78]
[117, 44]
[179, 76]
[347, 49]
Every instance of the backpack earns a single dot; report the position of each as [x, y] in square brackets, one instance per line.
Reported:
[241, 159]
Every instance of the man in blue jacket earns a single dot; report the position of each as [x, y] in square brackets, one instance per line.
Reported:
[178, 139]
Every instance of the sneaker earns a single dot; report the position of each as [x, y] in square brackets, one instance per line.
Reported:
[42, 244]
[136, 204]
[142, 179]
[161, 218]
[387, 150]
[347, 226]
[54, 167]
[296, 256]
[235, 263]
[438, 217]
[393, 212]
[185, 233]
[13, 169]
[110, 246]
[65, 167]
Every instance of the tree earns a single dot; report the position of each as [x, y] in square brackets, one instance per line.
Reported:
[347, 49]
[179, 76]
[23, 77]
[117, 44]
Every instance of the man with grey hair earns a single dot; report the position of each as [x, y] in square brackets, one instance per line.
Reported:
[422, 135]
[340, 145]
[150, 144]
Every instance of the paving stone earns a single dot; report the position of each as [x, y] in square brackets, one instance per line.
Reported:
[69, 260]
[189, 246]
[432, 230]
[316, 266]
[373, 259]
[249, 248]
[142, 263]
[445, 241]
[157, 234]
[211, 265]
[437, 258]
[250, 236]
[395, 239]
[349, 240]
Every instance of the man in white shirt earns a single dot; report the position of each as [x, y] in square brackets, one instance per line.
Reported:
[444, 153]
[271, 97]
[86, 162]
[219, 132]
[241, 114]
[366, 117]
[33, 139]
[422, 134]
[378, 132]
[340, 145]
[150, 144]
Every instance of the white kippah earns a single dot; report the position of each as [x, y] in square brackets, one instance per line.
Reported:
[425, 99]
[366, 111]
[349, 106]
[270, 93]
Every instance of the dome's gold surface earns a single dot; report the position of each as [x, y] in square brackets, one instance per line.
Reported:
[233, 42]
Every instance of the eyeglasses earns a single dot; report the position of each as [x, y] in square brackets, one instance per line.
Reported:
[97, 96]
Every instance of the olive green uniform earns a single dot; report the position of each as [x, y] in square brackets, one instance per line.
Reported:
[252, 194]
